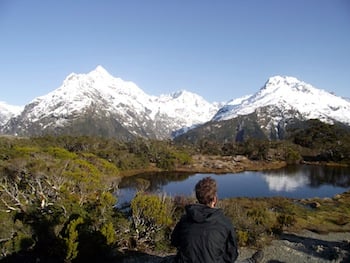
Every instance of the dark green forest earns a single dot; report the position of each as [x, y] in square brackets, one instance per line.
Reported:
[58, 194]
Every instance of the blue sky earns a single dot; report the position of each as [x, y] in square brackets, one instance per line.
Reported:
[220, 50]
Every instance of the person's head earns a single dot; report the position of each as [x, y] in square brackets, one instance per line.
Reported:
[206, 191]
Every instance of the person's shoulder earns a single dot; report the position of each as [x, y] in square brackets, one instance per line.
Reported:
[223, 218]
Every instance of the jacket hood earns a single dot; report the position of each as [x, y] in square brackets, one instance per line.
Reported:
[202, 213]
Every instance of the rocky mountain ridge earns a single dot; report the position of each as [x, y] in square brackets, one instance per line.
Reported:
[290, 95]
[281, 103]
[99, 104]
[8, 111]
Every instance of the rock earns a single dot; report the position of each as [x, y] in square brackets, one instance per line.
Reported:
[240, 158]
[314, 205]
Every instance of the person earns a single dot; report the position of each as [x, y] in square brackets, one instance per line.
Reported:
[204, 233]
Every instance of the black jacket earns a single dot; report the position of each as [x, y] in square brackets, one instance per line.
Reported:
[203, 235]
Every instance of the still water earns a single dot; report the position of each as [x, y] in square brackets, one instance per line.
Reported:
[301, 181]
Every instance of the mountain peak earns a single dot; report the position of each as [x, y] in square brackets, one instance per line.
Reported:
[97, 96]
[278, 79]
[286, 87]
[100, 71]
[289, 94]
[284, 82]
[182, 93]
[128, 106]
[8, 111]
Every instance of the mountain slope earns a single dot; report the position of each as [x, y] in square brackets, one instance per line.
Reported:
[283, 101]
[120, 108]
[8, 111]
[99, 104]
[290, 94]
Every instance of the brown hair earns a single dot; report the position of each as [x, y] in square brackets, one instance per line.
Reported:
[206, 190]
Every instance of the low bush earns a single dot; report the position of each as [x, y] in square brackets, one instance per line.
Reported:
[151, 216]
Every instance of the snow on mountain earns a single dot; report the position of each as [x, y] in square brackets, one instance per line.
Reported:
[101, 94]
[8, 111]
[189, 107]
[289, 94]
[98, 103]
[83, 90]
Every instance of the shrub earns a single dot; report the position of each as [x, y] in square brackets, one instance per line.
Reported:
[108, 232]
[251, 218]
[71, 239]
[61, 153]
[243, 237]
[183, 158]
[292, 156]
[150, 214]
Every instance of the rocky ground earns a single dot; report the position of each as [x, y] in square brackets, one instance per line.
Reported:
[289, 248]
[227, 164]
[306, 247]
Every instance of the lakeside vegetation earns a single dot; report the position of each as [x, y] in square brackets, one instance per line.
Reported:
[57, 194]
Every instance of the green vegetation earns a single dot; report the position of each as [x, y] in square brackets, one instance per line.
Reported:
[151, 218]
[311, 140]
[257, 219]
[57, 194]
[52, 198]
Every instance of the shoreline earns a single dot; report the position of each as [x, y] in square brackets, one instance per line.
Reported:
[213, 164]
[223, 164]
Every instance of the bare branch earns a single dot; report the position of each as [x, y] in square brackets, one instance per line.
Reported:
[10, 208]
[13, 193]
[3, 240]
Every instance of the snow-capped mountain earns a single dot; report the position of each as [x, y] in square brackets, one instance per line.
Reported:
[8, 111]
[282, 101]
[289, 95]
[99, 104]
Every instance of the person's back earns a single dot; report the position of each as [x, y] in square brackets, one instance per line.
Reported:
[204, 234]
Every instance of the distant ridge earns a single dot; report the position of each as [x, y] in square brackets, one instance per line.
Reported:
[99, 104]
[288, 93]
[281, 102]
[8, 111]
[116, 107]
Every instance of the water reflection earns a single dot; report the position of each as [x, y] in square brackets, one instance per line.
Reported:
[292, 177]
[285, 183]
[152, 182]
[300, 181]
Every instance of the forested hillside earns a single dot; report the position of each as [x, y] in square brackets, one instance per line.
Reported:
[310, 140]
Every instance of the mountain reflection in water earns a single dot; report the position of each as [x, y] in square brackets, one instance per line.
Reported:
[300, 181]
